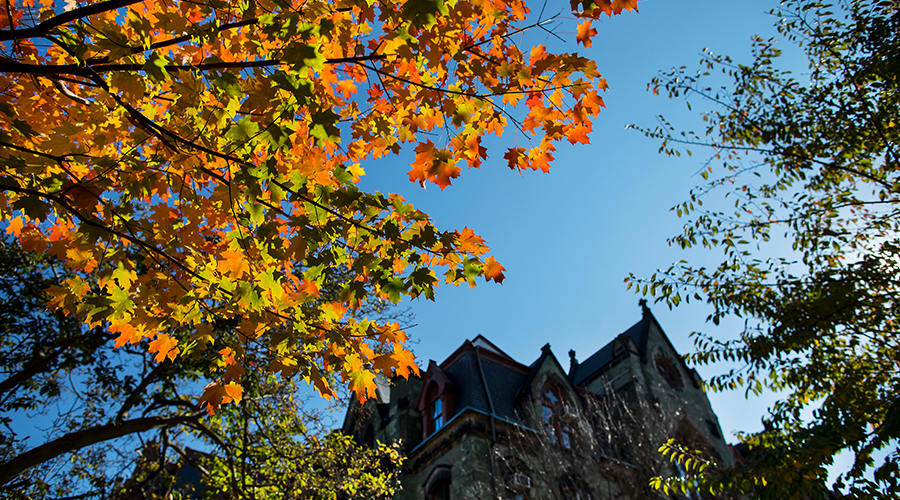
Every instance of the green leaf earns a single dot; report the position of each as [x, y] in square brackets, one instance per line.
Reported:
[423, 14]
[323, 126]
[155, 68]
[229, 83]
[244, 130]
[301, 55]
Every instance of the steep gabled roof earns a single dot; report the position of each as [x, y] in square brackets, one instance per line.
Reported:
[482, 342]
[637, 333]
[502, 377]
[546, 356]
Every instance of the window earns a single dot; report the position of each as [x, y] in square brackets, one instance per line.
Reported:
[515, 479]
[437, 487]
[435, 401]
[440, 490]
[553, 408]
[550, 423]
[437, 414]
[668, 371]
[434, 410]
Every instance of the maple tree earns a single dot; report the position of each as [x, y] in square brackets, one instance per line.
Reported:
[82, 418]
[219, 144]
[814, 158]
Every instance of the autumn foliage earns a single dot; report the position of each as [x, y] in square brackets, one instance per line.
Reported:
[196, 163]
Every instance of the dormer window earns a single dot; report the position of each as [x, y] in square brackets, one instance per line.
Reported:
[556, 413]
[434, 415]
[435, 402]
[437, 414]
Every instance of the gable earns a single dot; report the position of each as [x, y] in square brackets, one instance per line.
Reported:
[545, 369]
[664, 362]
[487, 345]
[633, 339]
[434, 376]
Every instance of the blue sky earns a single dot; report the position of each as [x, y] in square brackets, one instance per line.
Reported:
[570, 237]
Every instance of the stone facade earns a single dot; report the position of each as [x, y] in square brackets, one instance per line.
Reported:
[481, 425]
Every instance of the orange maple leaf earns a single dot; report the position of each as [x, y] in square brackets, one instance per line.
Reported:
[469, 242]
[127, 335]
[541, 157]
[363, 384]
[389, 332]
[15, 226]
[433, 164]
[441, 173]
[5, 18]
[212, 396]
[579, 133]
[233, 264]
[228, 356]
[233, 392]
[164, 346]
[619, 5]
[585, 33]
[308, 289]
[517, 158]
[493, 270]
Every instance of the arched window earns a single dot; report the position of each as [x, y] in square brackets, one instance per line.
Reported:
[437, 487]
[668, 371]
[440, 490]
[556, 415]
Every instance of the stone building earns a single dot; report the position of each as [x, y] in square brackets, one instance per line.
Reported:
[481, 425]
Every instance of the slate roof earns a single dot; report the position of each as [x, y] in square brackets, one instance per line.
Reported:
[505, 378]
[503, 384]
[638, 333]
[501, 379]
[461, 374]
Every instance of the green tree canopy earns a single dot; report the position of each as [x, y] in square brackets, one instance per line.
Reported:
[809, 157]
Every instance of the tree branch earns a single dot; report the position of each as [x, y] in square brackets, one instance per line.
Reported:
[87, 71]
[66, 17]
[136, 393]
[87, 437]
[40, 361]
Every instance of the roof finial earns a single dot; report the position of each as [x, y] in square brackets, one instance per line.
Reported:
[644, 308]
[573, 363]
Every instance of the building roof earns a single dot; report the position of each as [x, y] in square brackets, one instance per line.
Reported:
[597, 361]
[494, 392]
